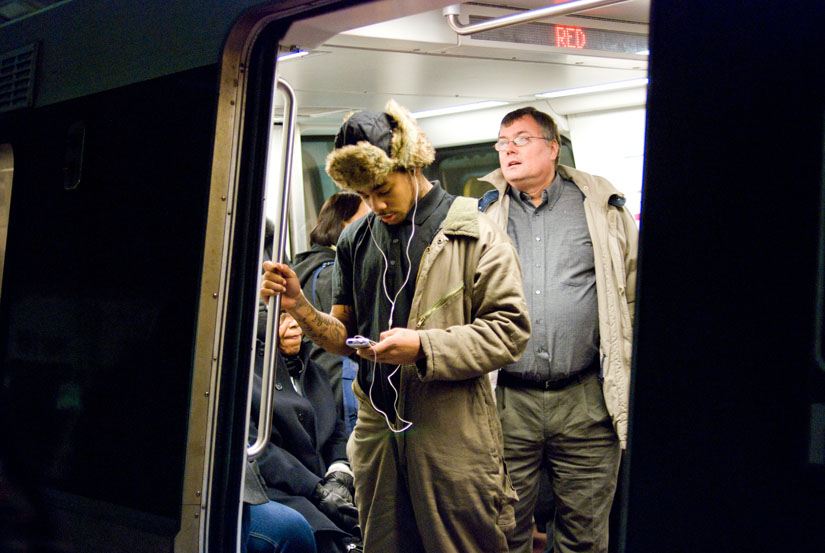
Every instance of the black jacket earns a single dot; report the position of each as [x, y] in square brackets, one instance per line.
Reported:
[307, 436]
[305, 265]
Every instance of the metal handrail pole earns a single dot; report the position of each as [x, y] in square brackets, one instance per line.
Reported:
[452, 12]
[274, 307]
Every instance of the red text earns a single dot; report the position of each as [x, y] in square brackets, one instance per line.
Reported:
[570, 37]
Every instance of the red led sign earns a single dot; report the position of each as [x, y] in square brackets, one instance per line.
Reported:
[570, 37]
[563, 36]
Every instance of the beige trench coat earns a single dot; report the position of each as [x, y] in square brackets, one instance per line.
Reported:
[615, 245]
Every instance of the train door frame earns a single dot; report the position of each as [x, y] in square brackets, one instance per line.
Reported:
[219, 407]
[229, 278]
[6, 182]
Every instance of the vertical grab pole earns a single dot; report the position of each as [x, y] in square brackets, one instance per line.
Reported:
[274, 307]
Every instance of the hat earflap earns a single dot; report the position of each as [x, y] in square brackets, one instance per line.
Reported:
[359, 167]
[410, 146]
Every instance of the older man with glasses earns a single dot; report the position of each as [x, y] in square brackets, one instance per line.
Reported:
[564, 404]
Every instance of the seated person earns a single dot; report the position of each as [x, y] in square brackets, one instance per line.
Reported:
[304, 464]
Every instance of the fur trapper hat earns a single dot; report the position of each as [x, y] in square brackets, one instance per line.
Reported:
[370, 145]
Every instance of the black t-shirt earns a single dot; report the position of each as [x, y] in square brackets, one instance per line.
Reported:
[366, 278]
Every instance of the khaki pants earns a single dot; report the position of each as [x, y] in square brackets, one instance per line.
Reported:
[570, 431]
[440, 486]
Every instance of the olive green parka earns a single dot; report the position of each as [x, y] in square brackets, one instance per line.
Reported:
[470, 313]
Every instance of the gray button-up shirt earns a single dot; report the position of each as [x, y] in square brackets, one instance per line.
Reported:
[556, 254]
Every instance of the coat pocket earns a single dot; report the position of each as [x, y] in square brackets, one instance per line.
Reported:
[438, 305]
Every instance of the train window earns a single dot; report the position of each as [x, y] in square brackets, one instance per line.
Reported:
[317, 184]
[316, 187]
[458, 168]
[6, 174]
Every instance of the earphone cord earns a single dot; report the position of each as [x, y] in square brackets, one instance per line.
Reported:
[392, 301]
[386, 263]
[407, 423]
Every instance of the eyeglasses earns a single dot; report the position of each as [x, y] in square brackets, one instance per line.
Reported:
[518, 141]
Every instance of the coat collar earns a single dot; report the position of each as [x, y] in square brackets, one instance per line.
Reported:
[596, 189]
[462, 218]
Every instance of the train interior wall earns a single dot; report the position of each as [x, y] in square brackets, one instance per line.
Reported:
[611, 144]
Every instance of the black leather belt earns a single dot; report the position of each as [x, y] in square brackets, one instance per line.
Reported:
[510, 381]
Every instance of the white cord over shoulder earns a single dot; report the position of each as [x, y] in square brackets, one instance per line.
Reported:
[407, 424]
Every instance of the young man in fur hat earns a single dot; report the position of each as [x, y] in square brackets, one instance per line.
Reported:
[437, 287]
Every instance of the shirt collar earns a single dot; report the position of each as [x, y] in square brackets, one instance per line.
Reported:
[427, 205]
[549, 196]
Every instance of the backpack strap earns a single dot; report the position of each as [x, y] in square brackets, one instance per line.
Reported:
[315, 280]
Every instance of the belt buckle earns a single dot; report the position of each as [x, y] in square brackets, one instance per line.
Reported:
[547, 384]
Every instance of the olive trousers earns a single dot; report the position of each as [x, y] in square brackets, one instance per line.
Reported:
[440, 486]
[570, 432]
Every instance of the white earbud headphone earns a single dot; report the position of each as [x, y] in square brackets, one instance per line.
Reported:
[407, 424]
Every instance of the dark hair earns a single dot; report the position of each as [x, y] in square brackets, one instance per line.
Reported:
[548, 127]
[337, 209]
